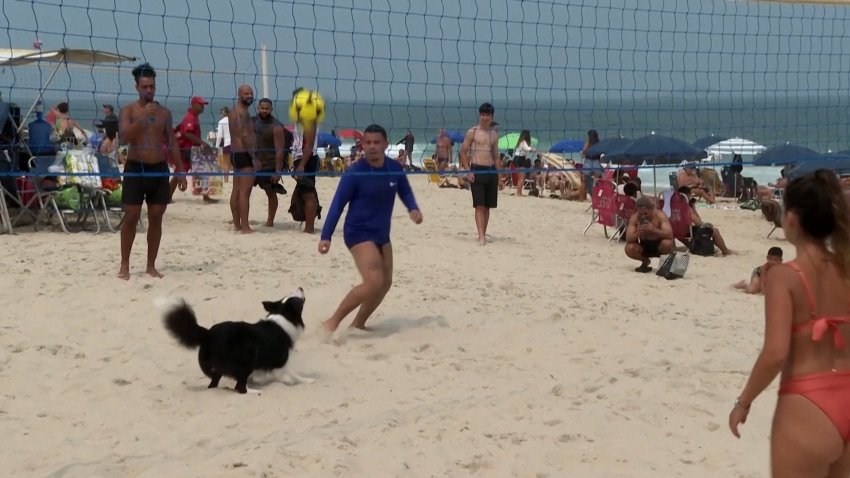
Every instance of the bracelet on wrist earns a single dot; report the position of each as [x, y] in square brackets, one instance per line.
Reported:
[738, 403]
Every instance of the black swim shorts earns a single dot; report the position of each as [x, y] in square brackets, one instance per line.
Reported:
[150, 189]
[485, 188]
[241, 160]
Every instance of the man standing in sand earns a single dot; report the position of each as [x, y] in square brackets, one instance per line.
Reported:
[480, 152]
[270, 152]
[370, 199]
[243, 145]
[649, 234]
[145, 127]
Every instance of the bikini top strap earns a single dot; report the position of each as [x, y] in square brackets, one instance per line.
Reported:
[807, 286]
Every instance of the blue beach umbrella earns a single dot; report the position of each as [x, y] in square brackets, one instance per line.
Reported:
[568, 145]
[840, 163]
[784, 154]
[655, 149]
[327, 139]
[606, 145]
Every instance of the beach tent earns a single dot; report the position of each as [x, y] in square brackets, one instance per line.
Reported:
[20, 57]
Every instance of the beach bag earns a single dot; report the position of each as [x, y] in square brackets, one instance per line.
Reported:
[113, 199]
[674, 265]
[68, 198]
[702, 241]
[296, 206]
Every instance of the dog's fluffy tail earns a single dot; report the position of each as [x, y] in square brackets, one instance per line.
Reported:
[181, 322]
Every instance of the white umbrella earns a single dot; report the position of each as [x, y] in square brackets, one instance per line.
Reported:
[21, 57]
[741, 146]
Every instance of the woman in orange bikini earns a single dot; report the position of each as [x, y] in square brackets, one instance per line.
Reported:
[807, 327]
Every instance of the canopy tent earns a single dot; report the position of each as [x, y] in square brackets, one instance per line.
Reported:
[21, 57]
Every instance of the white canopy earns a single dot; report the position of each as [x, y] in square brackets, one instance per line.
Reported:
[740, 146]
[19, 57]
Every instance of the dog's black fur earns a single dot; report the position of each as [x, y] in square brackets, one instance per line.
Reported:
[237, 349]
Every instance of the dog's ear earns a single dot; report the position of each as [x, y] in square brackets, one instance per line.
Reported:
[270, 306]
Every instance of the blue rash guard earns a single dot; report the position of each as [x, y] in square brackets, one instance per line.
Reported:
[371, 198]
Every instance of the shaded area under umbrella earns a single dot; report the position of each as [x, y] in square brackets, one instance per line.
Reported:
[839, 163]
[784, 154]
[606, 145]
[568, 145]
[703, 143]
[454, 135]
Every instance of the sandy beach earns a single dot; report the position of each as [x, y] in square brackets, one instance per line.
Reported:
[540, 355]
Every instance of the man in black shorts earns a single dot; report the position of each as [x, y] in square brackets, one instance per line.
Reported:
[270, 153]
[145, 126]
[480, 154]
[243, 145]
[648, 234]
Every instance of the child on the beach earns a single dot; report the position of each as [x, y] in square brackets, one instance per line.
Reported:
[756, 283]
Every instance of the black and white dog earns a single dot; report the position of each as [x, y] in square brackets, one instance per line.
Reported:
[240, 350]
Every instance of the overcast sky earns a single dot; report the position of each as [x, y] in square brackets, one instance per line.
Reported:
[406, 50]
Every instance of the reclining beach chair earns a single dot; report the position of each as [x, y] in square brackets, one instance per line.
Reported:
[771, 211]
[604, 205]
[433, 175]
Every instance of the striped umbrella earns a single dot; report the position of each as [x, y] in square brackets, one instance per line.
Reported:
[741, 146]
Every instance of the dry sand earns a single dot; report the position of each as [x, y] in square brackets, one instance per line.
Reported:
[541, 354]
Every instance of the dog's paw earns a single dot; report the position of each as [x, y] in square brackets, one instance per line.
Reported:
[254, 391]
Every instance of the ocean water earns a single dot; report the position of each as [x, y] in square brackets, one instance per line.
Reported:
[817, 122]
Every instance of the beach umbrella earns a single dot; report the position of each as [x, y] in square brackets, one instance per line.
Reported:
[654, 149]
[326, 139]
[568, 145]
[840, 163]
[454, 135]
[350, 133]
[741, 146]
[509, 141]
[784, 154]
[607, 144]
[709, 140]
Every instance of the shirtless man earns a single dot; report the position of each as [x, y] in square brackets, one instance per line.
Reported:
[444, 150]
[649, 234]
[480, 152]
[145, 127]
[243, 145]
[687, 176]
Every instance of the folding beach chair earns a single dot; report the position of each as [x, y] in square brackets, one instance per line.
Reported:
[434, 176]
[680, 219]
[626, 208]
[604, 205]
[771, 211]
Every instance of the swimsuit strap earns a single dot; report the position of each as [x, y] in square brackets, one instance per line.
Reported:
[807, 286]
[819, 325]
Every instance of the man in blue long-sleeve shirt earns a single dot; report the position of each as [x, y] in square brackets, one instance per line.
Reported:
[369, 187]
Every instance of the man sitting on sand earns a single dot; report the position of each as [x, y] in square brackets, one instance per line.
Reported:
[648, 235]
[759, 275]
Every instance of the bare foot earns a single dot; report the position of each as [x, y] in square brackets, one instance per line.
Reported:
[308, 230]
[210, 200]
[124, 272]
[360, 327]
[247, 230]
[482, 241]
[269, 224]
[328, 327]
[153, 272]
